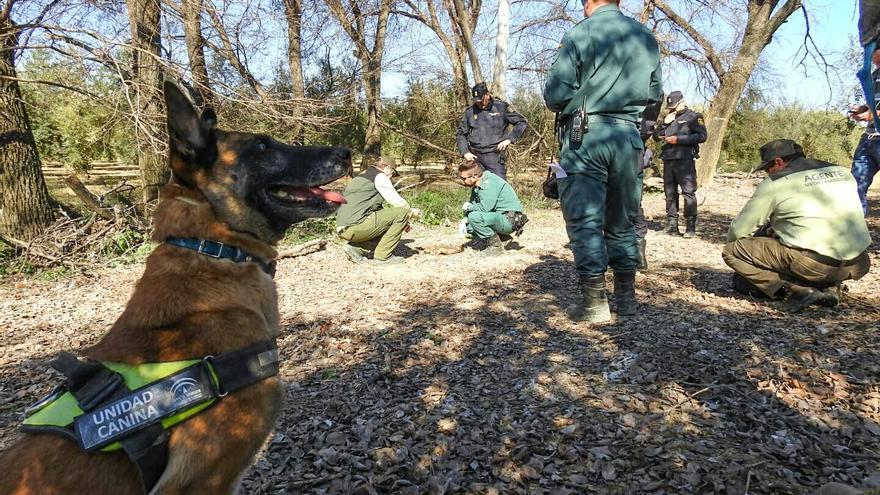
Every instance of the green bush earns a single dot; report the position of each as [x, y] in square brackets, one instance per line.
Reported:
[438, 207]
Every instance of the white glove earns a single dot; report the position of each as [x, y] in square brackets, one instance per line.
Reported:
[462, 227]
[503, 144]
[469, 156]
[415, 212]
[466, 206]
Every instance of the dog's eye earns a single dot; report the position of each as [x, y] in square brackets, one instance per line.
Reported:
[262, 145]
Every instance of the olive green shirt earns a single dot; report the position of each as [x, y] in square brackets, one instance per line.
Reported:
[614, 59]
[494, 194]
[811, 205]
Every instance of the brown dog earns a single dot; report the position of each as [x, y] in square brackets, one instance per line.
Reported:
[237, 188]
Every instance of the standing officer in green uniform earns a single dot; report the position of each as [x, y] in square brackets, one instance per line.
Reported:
[682, 132]
[482, 134]
[606, 71]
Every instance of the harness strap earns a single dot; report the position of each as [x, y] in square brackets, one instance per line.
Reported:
[238, 369]
[93, 384]
[224, 251]
[102, 394]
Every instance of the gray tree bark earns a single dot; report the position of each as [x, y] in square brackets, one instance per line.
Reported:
[195, 49]
[144, 17]
[293, 14]
[371, 61]
[499, 70]
[25, 206]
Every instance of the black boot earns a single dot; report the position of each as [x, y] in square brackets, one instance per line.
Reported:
[594, 306]
[494, 247]
[643, 259]
[625, 293]
[672, 226]
[691, 229]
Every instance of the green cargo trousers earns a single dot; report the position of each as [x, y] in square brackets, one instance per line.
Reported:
[768, 264]
[486, 224]
[600, 197]
[386, 225]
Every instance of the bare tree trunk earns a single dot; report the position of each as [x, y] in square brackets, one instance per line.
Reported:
[465, 23]
[144, 17]
[499, 72]
[293, 13]
[453, 46]
[371, 60]
[25, 206]
[724, 105]
[195, 49]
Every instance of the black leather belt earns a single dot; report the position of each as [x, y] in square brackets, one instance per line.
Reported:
[829, 261]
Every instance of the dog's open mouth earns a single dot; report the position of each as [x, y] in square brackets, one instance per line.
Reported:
[305, 195]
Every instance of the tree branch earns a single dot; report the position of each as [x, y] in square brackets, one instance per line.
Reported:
[705, 44]
[784, 13]
[417, 139]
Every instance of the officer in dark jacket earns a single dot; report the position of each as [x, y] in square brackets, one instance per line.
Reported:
[482, 134]
[682, 132]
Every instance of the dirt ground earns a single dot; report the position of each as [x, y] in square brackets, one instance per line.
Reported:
[458, 374]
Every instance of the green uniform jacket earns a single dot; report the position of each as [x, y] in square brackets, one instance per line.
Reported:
[494, 194]
[811, 205]
[615, 58]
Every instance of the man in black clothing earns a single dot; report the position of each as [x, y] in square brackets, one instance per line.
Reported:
[483, 134]
[682, 132]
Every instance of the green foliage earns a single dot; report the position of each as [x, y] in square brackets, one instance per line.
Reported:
[312, 228]
[430, 111]
[438, 207]
[825, 135]
[124, 243]
[74, 128]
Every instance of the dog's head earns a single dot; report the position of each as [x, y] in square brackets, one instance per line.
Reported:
[255, 185]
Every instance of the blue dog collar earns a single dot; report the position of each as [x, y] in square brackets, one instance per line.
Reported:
[221, 251]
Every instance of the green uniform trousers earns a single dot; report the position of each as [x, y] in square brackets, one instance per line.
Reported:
[767, 264]
[600, 197]
[386, 225]
[486, 224]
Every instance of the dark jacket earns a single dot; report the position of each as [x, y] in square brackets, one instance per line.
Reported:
[480, 131]
[690, 130]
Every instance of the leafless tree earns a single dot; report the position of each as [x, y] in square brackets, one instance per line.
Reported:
[364, 22]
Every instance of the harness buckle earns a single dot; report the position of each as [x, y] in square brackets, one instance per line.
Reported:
[201, 249]
[221, 392]
[50, 397]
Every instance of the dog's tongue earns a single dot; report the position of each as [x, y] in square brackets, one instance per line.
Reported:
[331, 196]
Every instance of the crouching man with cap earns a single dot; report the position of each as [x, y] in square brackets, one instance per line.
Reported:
[802, 233]
[483, 133]
[364, 223]
[494, 210]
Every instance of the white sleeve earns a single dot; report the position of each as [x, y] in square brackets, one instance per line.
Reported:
[389, 194]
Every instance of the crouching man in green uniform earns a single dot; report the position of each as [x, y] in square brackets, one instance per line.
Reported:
[364, 223]
[606, 71]
[494, 210]
[802, 233]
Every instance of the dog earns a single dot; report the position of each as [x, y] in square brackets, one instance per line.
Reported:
[236, 188]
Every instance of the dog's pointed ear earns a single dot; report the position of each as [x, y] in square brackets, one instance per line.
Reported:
[190, 135]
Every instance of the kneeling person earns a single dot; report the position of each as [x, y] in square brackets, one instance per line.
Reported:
[494, 210]
[363, 221]
[802, 232]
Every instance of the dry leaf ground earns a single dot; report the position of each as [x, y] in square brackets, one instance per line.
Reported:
[457, 374]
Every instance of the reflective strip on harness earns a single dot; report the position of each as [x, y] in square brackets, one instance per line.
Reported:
[144, 407]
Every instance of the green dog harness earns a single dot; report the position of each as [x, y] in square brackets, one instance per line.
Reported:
[112, 406]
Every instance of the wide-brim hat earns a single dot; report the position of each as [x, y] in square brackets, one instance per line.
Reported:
[779, 148]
